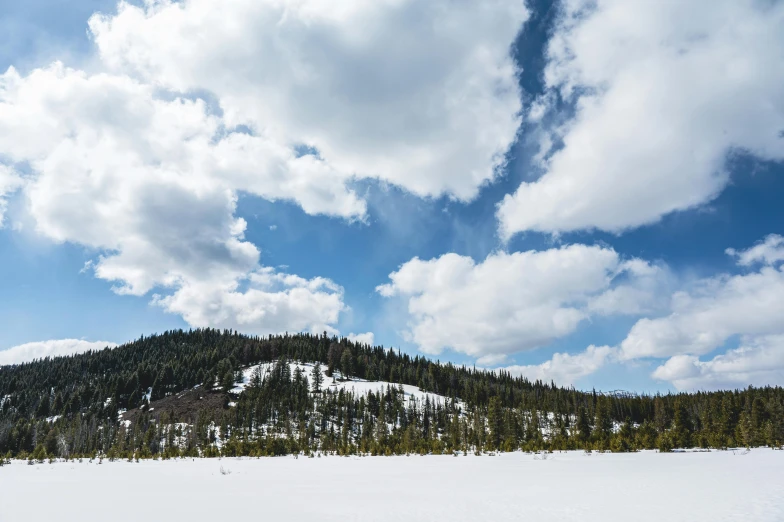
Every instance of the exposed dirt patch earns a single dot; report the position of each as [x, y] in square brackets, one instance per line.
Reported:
[184, 406]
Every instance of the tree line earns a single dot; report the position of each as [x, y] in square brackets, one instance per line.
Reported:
[69, 406]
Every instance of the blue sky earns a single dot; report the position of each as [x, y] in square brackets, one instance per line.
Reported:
[554, 193]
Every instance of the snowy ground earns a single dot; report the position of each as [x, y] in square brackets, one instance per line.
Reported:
[647, 486]
[358, 386]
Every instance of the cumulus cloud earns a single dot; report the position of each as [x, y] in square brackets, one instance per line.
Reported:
[271, 302]
[143, 180]
[640, 287]
[663, 93]
[710, 314]
[38, 350]
[363, 338]
[769, 252]
[420, 94]
[194, 102]
[515, 302]
[705, 317]
[493, 359]
[758, 361]
[10, 181]
[566, 369]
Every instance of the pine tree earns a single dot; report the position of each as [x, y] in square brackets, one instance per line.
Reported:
[316, 379]
[661, 418]
[256, 378]
[227, 381]
[583, 426]
[682, 427]
[333, 358]
[494, 422]
[43, 406]
[602, 423]
[623, 440]
[775, 432]
[346, 364]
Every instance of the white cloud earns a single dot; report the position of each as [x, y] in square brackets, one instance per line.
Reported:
[704, 318]
[143, 180]
[363, 338]
[759, 361]
[10, 181]
[640, 288]
[131, 164]
[515, 302]
[768, 252]
[712, 313]
[664, 92]
[38, 350]
[494, 359]
[566, 369]
[271, 303]
[420, 94]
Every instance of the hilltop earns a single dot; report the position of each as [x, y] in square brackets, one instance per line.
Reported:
[208, 392]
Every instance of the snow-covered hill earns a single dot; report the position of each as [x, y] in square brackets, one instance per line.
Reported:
[357, 386]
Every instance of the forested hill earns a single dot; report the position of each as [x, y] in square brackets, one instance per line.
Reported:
[174, 394]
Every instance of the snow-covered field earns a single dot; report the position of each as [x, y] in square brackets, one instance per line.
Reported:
[647, 486]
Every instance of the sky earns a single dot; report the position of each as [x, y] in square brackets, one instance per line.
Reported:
[579, 191]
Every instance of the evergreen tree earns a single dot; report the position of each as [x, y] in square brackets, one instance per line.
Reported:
[494, 423]
[583, 427]
[346, 364]
[316, 379]
[333, 358]
[227, 381]
[602, 424]
[623, 440]
[775, 431]
[682, 426]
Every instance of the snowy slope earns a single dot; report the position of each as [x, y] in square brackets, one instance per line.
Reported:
[358, 386]
[642, 487]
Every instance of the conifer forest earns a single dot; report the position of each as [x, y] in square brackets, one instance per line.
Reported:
[176, 394]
